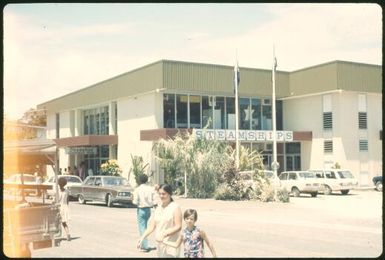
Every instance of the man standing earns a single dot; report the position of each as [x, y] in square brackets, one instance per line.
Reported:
[144, 196]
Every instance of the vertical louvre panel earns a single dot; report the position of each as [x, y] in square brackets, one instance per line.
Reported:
[363, 145]
[362, 120]
[328, 120]
[328, 146]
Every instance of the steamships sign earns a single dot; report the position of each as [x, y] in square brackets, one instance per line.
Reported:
[243, 135]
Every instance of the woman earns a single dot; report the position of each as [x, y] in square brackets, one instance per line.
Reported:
[167, 223]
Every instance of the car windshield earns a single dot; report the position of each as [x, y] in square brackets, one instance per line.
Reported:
[345, 174]
[306, 175]
[73, 179]
[112, 181]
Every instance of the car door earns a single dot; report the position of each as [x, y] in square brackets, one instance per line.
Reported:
[88, 187]
[98, 192]
[331, 180]
[292, 180]
[283, 179]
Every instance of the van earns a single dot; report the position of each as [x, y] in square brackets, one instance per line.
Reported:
[336, 180]
[297, 182]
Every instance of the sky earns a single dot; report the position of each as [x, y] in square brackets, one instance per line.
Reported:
[51, 50]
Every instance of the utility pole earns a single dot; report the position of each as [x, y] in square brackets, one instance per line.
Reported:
[236, 84]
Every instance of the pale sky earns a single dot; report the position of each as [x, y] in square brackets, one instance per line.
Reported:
[51, 50]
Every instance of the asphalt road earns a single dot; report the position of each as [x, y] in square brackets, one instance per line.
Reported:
[325, 226]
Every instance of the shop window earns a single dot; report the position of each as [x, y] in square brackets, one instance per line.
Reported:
[266, 116]
[219, 113]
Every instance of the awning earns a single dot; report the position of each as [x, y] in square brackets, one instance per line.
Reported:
[19, 154]
[87, 140]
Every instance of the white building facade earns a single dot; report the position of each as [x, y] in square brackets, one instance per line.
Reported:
[332, 110]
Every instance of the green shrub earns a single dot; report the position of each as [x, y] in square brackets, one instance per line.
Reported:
[225, 192]
[283, 195]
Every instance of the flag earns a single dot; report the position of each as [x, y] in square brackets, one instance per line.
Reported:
[237, 77]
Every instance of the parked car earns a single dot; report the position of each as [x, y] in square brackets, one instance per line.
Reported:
[17, 179]
[247, 176]
[108, 189]
[377, 181]
[336, 180]
[72, 180]
[297, 182]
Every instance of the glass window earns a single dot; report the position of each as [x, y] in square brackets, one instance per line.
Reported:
[181, 111]
[278, 112]
[293, 148]
[255, 114]
[283, 176]
[90, 181]
[169, 111]
[244, 113]
[219, 113]
[230, 113]
[95, 121]
[98, 181]
[207, 111]
[292, 176]
[266, 117]
[195, 111]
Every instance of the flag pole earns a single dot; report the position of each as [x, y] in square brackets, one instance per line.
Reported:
[236, 80]
[274, 164]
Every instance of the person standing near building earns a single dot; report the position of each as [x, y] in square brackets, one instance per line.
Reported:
[144, 196]
[64, 207]
[82, 171]
[166, 222]
[70, 170]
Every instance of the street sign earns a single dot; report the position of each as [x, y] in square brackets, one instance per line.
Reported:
[81, 150]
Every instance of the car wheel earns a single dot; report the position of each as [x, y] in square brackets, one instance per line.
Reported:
[344, 192]
[327, 190]
[295, 191]
[314, 194]
[379, 186]
[109, 200]
[81, 199]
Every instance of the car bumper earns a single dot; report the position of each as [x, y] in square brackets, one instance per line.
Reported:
[123, 199]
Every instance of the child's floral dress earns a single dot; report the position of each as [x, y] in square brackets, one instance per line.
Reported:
[193, 243]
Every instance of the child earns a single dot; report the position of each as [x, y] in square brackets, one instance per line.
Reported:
[64, 209]
[192, 237]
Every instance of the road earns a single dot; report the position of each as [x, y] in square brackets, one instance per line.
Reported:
[325, 226]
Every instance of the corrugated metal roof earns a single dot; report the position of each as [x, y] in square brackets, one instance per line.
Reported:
[189, 77]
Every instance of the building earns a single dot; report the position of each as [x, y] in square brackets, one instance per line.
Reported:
[332, 113]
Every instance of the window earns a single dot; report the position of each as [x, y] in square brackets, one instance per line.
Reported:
[256, 114]
[95, 121]
[90, 181]
[219, 113]
[330, 175]
[230, 113]
[195, 111]
[207, 111]
[362, 120]
[328, 146]
[266, 115]
[244, 113]
[292, 176]
[363, 145]
[169, 111]
[328, 120]
[181, 111]
[283, 176]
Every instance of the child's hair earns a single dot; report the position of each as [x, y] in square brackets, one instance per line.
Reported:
[190, 212]
[62, 182]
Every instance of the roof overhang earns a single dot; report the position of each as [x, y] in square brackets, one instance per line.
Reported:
[29, 152]
[166, 133]
[87, 140]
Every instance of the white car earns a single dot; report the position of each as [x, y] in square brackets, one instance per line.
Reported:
[336, 180]
[72, 180]
[297, 182]
[16, 179]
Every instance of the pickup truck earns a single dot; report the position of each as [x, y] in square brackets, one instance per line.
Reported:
[28, 223]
